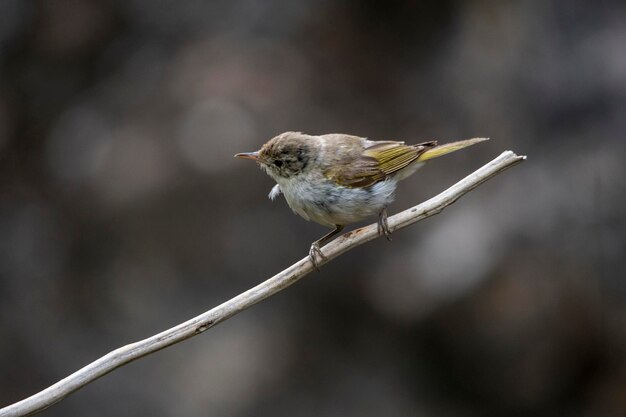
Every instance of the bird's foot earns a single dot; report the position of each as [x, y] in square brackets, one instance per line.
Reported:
[383, 225]
[316, 252]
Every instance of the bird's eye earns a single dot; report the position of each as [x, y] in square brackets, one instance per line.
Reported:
[278, 163]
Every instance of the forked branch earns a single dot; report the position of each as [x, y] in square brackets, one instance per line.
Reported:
[125, 354]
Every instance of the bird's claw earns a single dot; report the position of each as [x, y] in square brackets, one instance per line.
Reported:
[314, 253]
[383, 225]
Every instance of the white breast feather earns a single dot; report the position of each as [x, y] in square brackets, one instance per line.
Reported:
[274, 192]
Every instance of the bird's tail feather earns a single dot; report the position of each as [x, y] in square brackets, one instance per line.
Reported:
[446, 148]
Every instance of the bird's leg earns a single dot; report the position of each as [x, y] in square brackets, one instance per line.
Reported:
[383, 226]
[316, 247]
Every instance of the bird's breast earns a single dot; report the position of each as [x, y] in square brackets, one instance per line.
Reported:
[327, 203]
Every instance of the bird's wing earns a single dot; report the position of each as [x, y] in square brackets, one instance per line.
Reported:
[376, 163]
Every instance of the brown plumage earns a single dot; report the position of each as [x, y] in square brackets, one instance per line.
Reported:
[339, 179]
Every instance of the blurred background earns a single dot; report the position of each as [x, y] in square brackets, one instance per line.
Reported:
[123, 211]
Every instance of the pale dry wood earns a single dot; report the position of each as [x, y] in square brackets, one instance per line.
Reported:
[280, 281]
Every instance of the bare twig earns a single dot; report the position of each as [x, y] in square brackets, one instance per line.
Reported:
[121, 356]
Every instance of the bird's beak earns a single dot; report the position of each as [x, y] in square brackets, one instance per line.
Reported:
[248, 155]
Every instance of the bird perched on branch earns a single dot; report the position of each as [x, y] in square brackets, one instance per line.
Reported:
[338, 179]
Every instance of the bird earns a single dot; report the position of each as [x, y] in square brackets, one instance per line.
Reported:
[337, 179]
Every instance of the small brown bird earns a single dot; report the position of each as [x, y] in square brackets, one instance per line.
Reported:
[338, 179]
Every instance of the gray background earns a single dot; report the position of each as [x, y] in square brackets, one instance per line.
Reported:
[123, 212]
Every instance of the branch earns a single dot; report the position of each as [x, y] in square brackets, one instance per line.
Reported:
[126, 354]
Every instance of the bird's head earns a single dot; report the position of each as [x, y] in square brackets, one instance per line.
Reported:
[284, 156]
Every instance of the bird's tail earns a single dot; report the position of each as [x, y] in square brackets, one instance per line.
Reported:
[446, 148]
